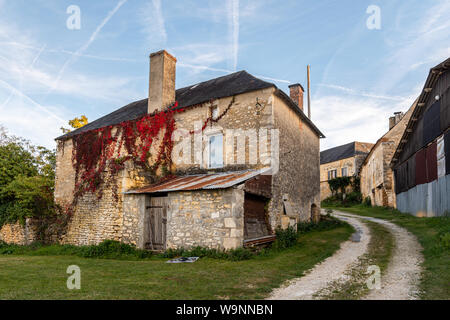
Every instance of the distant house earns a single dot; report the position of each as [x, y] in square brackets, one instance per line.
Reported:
[377, 180]
[341, 161]
[249, 164]
[421, 162]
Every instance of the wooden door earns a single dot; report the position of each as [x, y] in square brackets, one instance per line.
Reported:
[157, 221]
[255, 217]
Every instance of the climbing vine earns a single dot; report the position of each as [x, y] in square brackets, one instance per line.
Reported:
[98, 155]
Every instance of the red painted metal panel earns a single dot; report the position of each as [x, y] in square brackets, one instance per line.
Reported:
[421, 167]
[432, 162]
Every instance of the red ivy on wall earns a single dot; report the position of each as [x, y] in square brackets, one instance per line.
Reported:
[97, 158]
[96, 154]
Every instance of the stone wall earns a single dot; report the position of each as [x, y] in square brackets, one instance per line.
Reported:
[96, 219]
[377, 181]
[298, 175]
[210, 218]
[18, 233]
[213, 219]
[348, 163]
[242, 119]
[134, 208]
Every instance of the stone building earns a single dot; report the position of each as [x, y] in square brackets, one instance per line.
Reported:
[341, 161]
[245, 161]
[421, 162]
[377, 180]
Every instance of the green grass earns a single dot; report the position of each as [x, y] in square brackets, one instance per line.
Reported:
[433, 234]
[44, 277]
[379, 253]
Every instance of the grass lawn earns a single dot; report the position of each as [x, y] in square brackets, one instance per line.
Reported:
[433, 234]
[44, 277]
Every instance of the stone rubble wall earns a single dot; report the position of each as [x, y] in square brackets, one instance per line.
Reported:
[377, 180]
[348, 163]
[299, 168]
[213, 219]
[17, 233]
[207, 219]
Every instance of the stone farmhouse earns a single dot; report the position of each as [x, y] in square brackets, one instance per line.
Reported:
[421, 162]
[341, 161]
[377, 177]
[242, 160]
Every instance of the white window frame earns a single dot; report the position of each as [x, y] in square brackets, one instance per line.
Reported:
[330, 176]
[346, 172]
[208, 153]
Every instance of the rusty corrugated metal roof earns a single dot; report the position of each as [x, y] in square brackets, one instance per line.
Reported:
[208, 181]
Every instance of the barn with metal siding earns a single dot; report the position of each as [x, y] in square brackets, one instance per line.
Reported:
[421, 162]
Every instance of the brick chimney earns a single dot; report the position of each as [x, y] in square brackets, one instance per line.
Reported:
[395, 119]
[296, 93]
[162, 81]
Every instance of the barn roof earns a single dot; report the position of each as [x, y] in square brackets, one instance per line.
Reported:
[432, 78]
[207, 181]
[226, 86]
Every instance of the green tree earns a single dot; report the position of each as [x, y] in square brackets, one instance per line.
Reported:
[27, 175]
[15, 160]
[27, 197]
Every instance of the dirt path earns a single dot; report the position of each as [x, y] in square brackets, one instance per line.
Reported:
[331, 269]
[403, 274]
[400, 280]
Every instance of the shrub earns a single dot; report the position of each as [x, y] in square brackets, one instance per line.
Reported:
[106, 249]
[444, 240]
[110, 249]
[326, 223]
[353, 198]
[332, 201]
[367, 202]
[285, 238]
[341, 199]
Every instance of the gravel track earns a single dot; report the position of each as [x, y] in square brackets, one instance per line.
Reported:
[400, 281]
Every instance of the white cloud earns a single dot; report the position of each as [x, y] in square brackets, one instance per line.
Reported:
[85, 46]
[25, 117]
[233, 30]
[153, 23]
[204, 54]
[422, 42]
[344, 119]
[361, 94]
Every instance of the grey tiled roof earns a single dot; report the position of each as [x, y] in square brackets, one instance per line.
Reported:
[338, 153]
[226, 86]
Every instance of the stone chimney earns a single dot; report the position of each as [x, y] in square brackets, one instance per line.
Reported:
[162, 81]
[296, 93]
[395, 119]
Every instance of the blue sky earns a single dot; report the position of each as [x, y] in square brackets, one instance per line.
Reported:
[50, 74]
